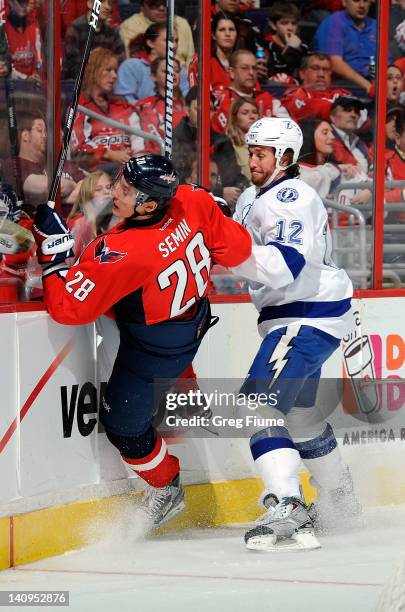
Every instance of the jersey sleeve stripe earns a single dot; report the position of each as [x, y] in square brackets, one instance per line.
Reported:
[293, 259]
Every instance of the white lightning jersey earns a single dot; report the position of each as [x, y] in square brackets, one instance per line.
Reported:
[291, 275]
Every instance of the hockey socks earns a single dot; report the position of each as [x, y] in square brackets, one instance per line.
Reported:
[158, 468]
[277, 461]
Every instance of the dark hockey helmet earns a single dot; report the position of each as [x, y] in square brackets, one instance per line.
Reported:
[153, 176]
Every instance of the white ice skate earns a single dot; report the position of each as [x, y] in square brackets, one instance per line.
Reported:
[162, 504]
[286, 526]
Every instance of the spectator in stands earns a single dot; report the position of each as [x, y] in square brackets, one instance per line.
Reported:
[224, 31]
[317, 10]
[134, 77]
[349, 36]
[225, 6]
[315, 96]
[221, 150]
[347, 146]
[249, 35]
[190, 172]
[72, 9]
[91, 213]
[395, 85]
[151, 110]
[242, 113]
[94, 143]
[396, 35]
[76, 36]
[395, 166]
[285, 48]
[154, 11]
[5, 63]
[24, 41]
[390, 126]
[243, 73]
[32, 138]
[316, 168]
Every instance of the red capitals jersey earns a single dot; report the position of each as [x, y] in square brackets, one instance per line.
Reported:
[148, 271]
[25, 49]
[151, 113]
[93, 137]
[305, 103]
[395, 171]
[219, 74]
[268, 106]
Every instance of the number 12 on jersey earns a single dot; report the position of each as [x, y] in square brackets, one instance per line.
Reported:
[177, 275]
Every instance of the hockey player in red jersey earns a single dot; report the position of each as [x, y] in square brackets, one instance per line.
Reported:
[152, 271]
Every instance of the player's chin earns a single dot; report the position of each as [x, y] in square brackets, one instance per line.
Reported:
[257, 178]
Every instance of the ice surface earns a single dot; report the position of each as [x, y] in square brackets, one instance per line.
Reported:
[210, 570]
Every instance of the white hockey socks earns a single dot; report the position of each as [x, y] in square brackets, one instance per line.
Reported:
[277, 461]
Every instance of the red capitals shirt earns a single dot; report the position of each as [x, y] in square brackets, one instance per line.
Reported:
[395, 171]
[268, 106]
[219, 74]
[25, 49]
[91, 137]
[148, 272]
[151, 114]
[305, 103]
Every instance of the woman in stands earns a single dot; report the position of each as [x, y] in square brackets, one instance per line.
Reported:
[224, 29]
[91, 214]
[242, 113]
[151, 110]
[315, 168]
[94, 143]
[134, 75]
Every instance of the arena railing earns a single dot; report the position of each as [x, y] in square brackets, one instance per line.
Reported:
[352, 242]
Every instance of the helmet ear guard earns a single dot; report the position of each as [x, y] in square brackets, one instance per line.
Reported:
[153, 176]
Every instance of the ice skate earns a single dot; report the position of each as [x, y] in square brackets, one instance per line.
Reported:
[286, 526]
[162, 504]
[338, 508]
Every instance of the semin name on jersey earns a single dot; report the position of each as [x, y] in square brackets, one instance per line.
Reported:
[174, 239]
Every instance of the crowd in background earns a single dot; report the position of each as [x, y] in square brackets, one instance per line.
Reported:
[313, 61]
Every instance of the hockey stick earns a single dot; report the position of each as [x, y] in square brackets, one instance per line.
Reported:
[169, 79]
[13, 136]
[67, 132]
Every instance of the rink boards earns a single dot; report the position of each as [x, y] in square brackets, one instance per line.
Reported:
[58, 473]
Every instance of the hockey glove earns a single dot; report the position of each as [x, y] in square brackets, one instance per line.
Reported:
[14, 238]
[9, 207]
[54, 240]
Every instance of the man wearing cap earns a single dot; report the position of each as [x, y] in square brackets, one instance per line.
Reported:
[314, 98]
[348, 148]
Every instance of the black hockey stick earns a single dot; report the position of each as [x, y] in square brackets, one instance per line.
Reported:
[169, 79]
[13, 136]
[71, 114]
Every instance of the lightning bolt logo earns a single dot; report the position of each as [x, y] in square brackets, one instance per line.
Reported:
[278, 358]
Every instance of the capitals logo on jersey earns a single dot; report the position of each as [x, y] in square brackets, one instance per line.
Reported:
[288, 194]
[105, 255]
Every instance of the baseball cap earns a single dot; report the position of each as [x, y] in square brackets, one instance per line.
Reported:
[348, 102]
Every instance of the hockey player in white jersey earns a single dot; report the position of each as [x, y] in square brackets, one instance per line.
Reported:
[304, 304]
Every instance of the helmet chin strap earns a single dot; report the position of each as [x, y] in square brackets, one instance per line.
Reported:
[279, 168]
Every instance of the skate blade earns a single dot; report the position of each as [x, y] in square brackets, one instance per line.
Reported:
[269, 543]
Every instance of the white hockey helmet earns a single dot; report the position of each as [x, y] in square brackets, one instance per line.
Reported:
[282, 134]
